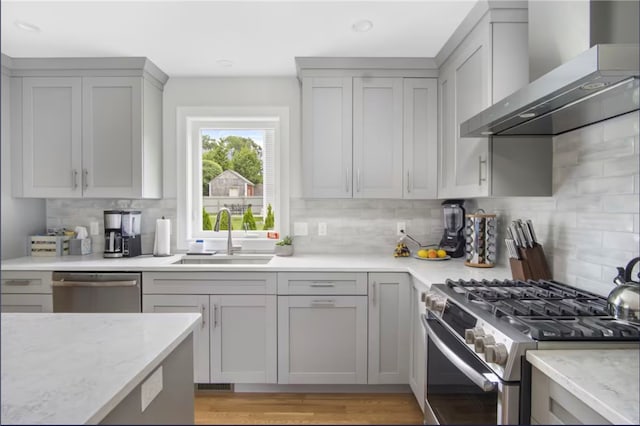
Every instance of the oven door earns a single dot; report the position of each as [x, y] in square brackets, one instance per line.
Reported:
[459, 387]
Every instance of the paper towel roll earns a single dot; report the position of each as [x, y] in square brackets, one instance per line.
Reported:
[162, 242]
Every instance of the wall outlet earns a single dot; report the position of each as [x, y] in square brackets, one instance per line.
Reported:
[322, 229]
[94, 228]
[300, 229]
[400, 226]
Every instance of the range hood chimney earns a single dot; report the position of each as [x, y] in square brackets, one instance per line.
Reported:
[584, 68]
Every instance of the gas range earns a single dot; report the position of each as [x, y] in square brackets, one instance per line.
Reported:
[499, 320]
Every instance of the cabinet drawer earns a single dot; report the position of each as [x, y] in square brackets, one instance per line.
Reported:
[351, 283]
[209, 283]
[26, 282]
[26, 303]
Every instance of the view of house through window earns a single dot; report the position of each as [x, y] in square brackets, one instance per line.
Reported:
[235, 176]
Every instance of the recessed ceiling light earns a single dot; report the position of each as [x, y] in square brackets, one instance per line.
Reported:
[527, 115]
[362, 26]
[486, 133]
[225, 63]
[25, 26]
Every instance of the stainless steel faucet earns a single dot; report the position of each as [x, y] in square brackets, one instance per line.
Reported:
[216, 228]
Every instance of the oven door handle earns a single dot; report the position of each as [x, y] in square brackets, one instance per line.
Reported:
[479, 379]
[125, 283]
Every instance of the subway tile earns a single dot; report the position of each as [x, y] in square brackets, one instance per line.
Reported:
[607, 185]
[565, 188]
[606, 222]
[583, 170]
[583, 203]
[572, 239]
[622, 166]
[572, 140]
[628, 241]
[606, 149]
[621, 203]
[619, 127]
[562, 159]
[582, 269]
[610, 257]
[597, 286]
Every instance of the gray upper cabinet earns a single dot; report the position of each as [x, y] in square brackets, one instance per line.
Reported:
[87, 128]
[369, 127]
[488, 64]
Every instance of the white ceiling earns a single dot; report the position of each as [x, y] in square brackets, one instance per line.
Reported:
[191, 38]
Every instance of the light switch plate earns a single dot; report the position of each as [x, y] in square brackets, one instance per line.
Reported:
[300, 229]
[322, 229]
[399, 227]
[94, 227]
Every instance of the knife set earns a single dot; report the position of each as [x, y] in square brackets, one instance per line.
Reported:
[480, 247]
[526, 256]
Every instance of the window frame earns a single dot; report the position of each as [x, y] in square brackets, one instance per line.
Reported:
[190, 121]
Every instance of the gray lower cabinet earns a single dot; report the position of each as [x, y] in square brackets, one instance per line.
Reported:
[417, 343]
[388, 343]
[165, 396]
[237, 339]
[26, 291]
[552, 404]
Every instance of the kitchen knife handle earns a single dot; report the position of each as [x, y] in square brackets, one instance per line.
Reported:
[74, 178]
[408, 186]
[85, 178]
[480, 163]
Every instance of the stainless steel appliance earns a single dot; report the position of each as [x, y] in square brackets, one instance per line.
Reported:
[122, 236]
[478, 333]
[577, 80]
[97, 292]
[112, 233]
[453, 239]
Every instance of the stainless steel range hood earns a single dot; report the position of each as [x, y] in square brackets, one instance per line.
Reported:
[600, 83]
[596, 84]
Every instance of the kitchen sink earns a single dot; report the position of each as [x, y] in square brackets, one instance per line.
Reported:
[222, 259]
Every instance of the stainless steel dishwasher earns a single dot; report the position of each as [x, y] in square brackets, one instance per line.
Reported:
[97, 292]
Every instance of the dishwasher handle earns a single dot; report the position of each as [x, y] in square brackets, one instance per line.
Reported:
[123, 283]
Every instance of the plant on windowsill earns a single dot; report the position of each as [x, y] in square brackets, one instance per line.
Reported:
[284, 247]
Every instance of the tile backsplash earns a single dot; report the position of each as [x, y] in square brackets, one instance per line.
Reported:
[588, 227]
[69, 213]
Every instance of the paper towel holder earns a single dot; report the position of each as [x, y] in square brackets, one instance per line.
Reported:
[161, 242]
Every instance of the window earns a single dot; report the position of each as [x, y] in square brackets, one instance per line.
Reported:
[231, 161]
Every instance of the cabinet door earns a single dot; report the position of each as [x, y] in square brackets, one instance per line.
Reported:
[326, 137]
[112, 136]
[388, 328]
[322, 339]
[27, 303]
[243, 339]
[420, 138]
[377, 137]
[465, 90]
[417, 353]
[187, 303]
[51, 135]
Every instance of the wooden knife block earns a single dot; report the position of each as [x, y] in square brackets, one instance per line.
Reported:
[532, 265]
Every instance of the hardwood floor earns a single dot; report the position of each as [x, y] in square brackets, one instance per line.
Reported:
[306, 408]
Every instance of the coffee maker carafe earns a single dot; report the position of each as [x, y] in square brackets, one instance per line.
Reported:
[131, 240]
[453, 240]
[112, 233]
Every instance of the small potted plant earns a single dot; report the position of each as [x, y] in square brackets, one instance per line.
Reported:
[284, 247]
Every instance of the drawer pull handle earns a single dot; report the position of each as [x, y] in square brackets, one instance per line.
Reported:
[323, 303]
[215, 316]
[322, 284]
[204, 321]
[17, 282]
[374, 294]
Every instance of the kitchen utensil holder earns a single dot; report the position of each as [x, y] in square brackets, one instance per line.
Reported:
[532, 264]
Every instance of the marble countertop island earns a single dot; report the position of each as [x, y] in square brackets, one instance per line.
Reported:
[605, 380]
[75, 368]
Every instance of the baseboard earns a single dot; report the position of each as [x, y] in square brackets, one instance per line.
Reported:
[271, 388]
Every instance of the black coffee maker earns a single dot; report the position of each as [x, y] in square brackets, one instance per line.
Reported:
[453, 240]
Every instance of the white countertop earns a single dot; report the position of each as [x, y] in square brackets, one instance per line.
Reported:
[427, 271]
[75, 368]
[605, 380]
